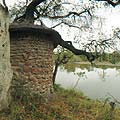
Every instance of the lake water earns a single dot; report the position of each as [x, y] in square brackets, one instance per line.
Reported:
[96, 82]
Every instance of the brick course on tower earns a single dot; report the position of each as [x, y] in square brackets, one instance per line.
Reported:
[32, 57]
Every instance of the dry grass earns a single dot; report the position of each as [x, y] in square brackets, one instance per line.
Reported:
[61, 105]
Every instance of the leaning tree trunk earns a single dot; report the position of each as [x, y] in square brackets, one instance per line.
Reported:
[55, 72]
[5, 68]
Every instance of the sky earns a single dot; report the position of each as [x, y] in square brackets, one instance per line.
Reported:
[12, 2]
[112, 18]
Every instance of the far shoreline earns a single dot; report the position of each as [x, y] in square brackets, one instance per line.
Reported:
[98, 63]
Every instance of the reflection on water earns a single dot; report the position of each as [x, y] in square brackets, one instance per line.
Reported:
[95, 82]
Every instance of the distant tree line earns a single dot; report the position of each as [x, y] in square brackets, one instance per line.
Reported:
[113, 57]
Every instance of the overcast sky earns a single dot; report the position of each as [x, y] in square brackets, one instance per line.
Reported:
[112, 15]
[113, 18]
[12, 2]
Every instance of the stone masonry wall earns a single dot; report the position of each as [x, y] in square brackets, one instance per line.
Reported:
[31, 60]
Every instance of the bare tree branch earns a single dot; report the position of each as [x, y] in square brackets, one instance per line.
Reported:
[111, 2]
[27, 2]
[70, 25]
[4, 3]
[116, 101]
[70, 47]
[70, 13]
[57, 25]
[28, 16]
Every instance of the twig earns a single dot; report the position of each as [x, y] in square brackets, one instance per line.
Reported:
[116, 101]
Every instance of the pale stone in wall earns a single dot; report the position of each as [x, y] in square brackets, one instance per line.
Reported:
[5, 67]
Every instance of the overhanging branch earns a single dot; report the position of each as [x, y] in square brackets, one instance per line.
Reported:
[29, 13]
[68, 45]
[111, 2]
[70, 13]
[4, 3]
[53, 36]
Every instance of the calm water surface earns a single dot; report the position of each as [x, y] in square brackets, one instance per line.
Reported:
[95, 82]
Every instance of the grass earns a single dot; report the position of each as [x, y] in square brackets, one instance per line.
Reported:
[61, 105]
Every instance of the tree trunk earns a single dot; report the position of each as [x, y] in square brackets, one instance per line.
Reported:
[55, 72]
[5, 67]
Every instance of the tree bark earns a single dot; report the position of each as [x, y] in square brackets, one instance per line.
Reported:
[29, 14]
[5, 66]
